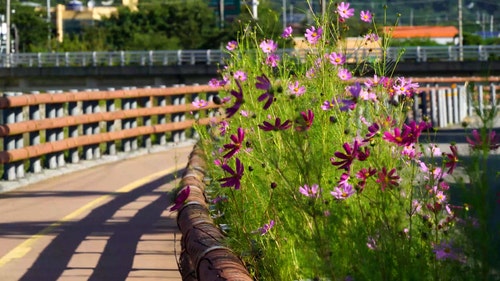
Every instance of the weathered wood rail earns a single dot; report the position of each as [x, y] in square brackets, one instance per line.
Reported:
[49, 130]
[204, 256]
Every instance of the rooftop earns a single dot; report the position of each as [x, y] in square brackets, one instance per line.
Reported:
[421, 31]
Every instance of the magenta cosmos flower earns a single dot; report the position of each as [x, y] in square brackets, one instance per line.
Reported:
[181, 198]
[263, 83]
[313, 35]
[272, 60]
[476, 141]
[268, 46]
[235, 175]
[287, 32]
[306, 122]
[309, 191]
[344, 11]
[266, 227]
[230, 111]
[235, 146]
[366, 16]
[387, 179]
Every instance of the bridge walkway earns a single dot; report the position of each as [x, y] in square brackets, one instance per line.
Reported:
[109, 222]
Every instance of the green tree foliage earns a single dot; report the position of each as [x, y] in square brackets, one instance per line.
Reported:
[32, 29]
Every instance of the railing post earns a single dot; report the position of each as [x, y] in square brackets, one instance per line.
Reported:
[196, 114]
[179, 57]
[150, 58]
[96, 130]
[454, 92]
[10, 116]
[122, 58]
[209, 59]
[147, 103]
[34, 137]
[470, 101]
[442, 108]
[51, 134]
[424, 104]
[493, 94]
[110, 125]
[162, 119]
[177, 100]
[74, 110]
[126, 123]
[434, 107]
[94, 59]
[133, 122]
[416, 111]
[481, 98]
[66, 59]
[462, 103]
[88, 129]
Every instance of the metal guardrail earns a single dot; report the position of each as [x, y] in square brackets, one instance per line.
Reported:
[210, 57]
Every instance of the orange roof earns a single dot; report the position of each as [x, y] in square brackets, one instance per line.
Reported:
[421, 31]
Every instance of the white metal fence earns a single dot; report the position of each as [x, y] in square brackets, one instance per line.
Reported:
[209, 57]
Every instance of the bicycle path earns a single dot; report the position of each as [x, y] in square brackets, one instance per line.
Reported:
[109, 222]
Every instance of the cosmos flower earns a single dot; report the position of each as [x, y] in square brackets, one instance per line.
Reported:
[181, 198]
[313, 35]
[232, 45]
[287, 32]
[344, 11]
[235, 175]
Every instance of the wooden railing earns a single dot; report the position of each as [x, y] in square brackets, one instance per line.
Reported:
[42, 131]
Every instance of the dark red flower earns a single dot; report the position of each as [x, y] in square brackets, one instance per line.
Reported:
[181, 197]
[263, 83]
[387, 179]
[306, 122]
[230, 111]
[237, 141]
[452, 160]
[278, 126]
[235, 178]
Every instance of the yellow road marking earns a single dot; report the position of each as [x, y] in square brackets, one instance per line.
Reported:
[22, 249]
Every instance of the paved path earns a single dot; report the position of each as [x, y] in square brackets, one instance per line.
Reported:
[109, 222]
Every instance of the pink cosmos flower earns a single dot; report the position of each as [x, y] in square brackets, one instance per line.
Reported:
[445, 251]
[366, 16]
[344, 11]
[240, 75]
[199, 103]
[296, 89]
[371, 37]
[327, 105]
[313, 35]
[266, 227]
[337, 58]
[231, 45]
[404, 87]
[343, 190]
[312, 191]
[287, 32]
[344, 74]
[268, 46]
[272, 60]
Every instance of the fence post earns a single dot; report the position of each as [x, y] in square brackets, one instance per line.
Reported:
[133, 122]
[162, 119]
[87, 128]
[442, 108]
[73, 110]
[434, 107]
[196, 114]
[10, 116]
[424, 104]
[180, 135]
[110, 125]
[96, 129]
[470, 102]
[51, 134]
[481, 98]
[493, 94]
[34, 137]
[462, 103]
[454, 92]
[147, 103]
[416, 113]
[126, 122]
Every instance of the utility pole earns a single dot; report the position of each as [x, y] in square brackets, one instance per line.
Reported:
[221, 13]
[48, 24]
[460, 33]
[7, 32]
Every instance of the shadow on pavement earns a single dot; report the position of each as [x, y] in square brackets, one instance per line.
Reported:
[117, 257]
